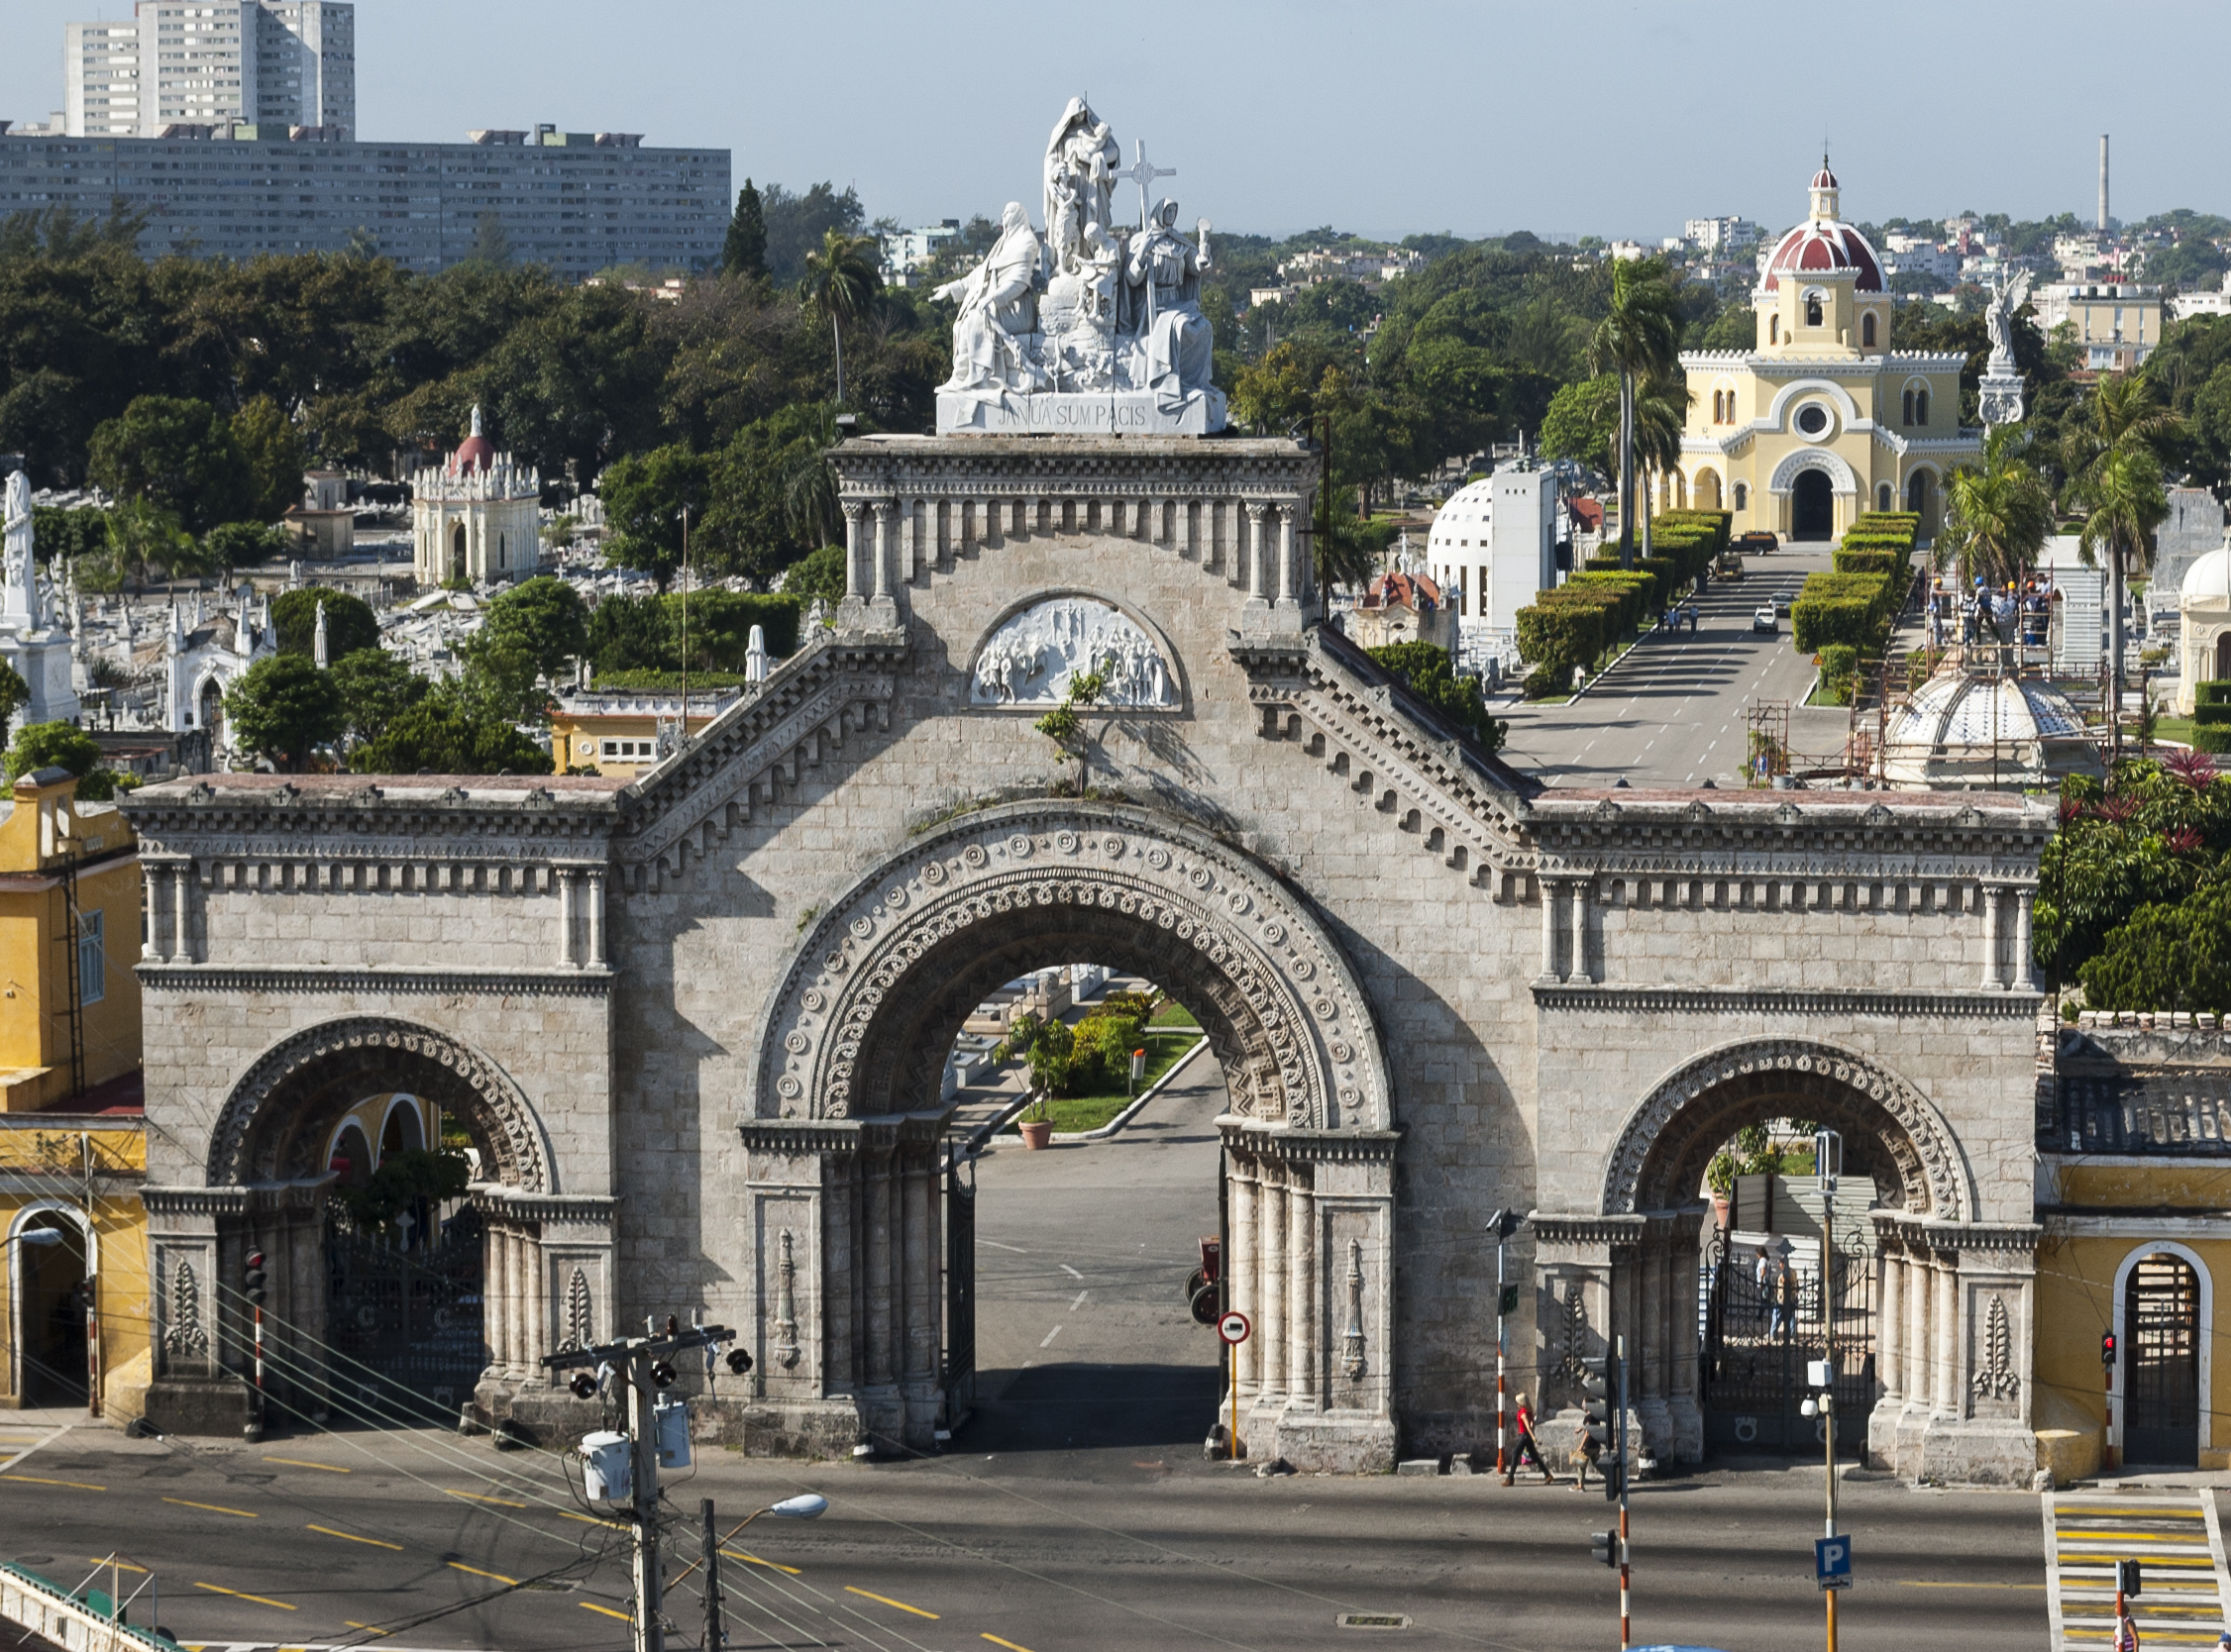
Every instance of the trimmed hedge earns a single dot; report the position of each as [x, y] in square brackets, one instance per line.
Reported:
[1848, 608]
[1851, 559]
[1555, 637]
[2212, 693]
[1631, 591]
[2211, 737]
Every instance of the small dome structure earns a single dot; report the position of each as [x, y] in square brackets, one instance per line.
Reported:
[2207, 583]
[2203, 604]
[1973, 728]
[476, 452]
[1824, 245]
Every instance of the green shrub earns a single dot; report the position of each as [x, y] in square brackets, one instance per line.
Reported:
[2211, 714]
[2211, 737]
[1851, 608]
[1603, 561]
[1555, 636]
[1630, 593]
[1867, 561]
[1543, 684]
[2166, 956]
[2212, 693]
[1669, 574]
[1840, 671]
[1426, 670]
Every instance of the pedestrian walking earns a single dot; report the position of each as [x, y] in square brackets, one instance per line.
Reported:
[1528, 1448]
[2126, 1634]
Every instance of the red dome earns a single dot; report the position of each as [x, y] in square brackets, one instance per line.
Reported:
[1823, 178]
[1817, 249]
[474, 453]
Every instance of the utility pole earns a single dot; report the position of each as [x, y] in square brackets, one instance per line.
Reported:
[643, 1366]
[715, 1637]
[1619, 1468]
[1505, 1223]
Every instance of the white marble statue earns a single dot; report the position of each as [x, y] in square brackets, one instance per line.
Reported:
[1031, 659]
[2007, 296]
[1092, 327]
[20, 604]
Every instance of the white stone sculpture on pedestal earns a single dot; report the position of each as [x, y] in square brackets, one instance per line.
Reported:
[2000, 398]
[38, 651]
[1094, 329]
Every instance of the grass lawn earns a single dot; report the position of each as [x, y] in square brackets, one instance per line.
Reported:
[1090, 1112]
[1173, 1014]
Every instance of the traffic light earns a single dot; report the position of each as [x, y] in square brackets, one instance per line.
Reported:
[1508, 1302]
[253, 1279]
[2126, 1578]
[2107, 1350]
[1602, 1438]
[1603, 1546]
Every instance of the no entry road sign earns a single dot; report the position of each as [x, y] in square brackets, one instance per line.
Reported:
[1233, 1328]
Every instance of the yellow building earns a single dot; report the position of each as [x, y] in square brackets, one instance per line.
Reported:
[1821, 420]
[72, 1126]
[625, 731]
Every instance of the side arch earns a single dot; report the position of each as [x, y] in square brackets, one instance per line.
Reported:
[1660, 1153]
[891, 967]
[2120, 1310]
[283, 1108]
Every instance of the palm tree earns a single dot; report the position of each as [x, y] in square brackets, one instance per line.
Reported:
[841, 282]
[1661, 412]
[2126, 409]
[2124, 502]
[1638, 338]
[1999, 513]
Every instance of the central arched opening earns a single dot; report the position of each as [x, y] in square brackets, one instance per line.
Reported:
[48, 1295]
[1083, 1176]
[1812, 506]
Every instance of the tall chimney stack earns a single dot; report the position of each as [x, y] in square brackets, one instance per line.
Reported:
[2102, 183]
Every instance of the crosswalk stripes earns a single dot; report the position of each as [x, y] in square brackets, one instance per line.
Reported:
[2175, 1539]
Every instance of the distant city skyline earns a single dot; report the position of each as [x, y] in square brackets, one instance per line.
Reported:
[1383, 121]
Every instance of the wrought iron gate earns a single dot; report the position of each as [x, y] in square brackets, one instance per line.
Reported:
[410, 1317]
[1762, 1325]
[960, 1286]
[2161, 1319]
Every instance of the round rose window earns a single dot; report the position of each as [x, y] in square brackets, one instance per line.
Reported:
[1812, 417]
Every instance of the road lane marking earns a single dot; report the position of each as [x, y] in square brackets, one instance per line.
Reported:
[376, 1542]
[889, 1602]
[120, 1565]
[1071, 1271]
[591, 1606]
[771, 1565]
[260, 1600]
[593, 1520]
[215, 1509]
[34, 1480]
[996, 1245]
[1050, 1335]
[1080, 1301]
[299, 1463]
[36, 1445]
[476, 1496]
[368, 1628]
[1008, 1644]
[460, 1566]
[1925, 1583]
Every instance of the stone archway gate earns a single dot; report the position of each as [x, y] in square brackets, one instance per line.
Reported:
[1436, 989]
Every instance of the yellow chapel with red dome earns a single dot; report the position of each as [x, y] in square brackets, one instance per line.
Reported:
[1821, 419]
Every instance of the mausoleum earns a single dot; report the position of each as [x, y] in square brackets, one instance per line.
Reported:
[477, 516]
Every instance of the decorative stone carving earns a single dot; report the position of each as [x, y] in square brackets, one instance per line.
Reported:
[1351, 1340]
[1921, 1144]
[1994, 1377]
[183, 1332]
[1032, 657]
[1573, 1365]
[580, 1323]
[1096, 326]
[785, 1306]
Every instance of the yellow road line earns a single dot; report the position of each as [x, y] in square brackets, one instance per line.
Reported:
[593, 1520]
[460, 1566]
[2151, 1560]
[591, 1606]
[476, 1496]
[260, 1600]
[34, 1480]
[299, 1463]
[2096, 1534]
[367, 1627]
[888, 1600]
[771, 1565]
[215, 1509]
[120, 1565]
[1925, 1583]
[1008, 1644]
[375, 1542]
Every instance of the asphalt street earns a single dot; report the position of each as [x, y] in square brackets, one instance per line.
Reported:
[1671, 712]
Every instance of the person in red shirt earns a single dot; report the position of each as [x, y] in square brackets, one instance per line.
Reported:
[1527, 1447]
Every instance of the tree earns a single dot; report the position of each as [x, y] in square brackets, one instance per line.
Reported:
[820, 575]
[439, 736]
[69, 534]
[281, 707]
[375, 689]
[59, 745]
[795, 225]
[1999, 513]
[349, 623]
[232, 544]
[1638, 338]
[492, 243]
[645, 496]
[1066, 727]
[142, 535]
[15, 694]
[176, 452]
[744, 253]
[2124, 502]
[544, 619]
[1661, 411]
[1583, 423]
[1424, 669]
[841, 281]
[270, 450]
[2167, 957]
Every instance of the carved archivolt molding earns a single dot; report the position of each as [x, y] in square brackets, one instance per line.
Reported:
[391, 1055]
[1314, 1057]
[1921, 1144]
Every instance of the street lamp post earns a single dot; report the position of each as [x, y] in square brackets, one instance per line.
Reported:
[1828, 1165]
[1505, 1223]
[807, 1505]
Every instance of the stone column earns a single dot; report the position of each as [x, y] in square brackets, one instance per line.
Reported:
[181, 911]
[1258, 559]
[1684, 1415]
[534, 1308]
[1270, 1287]
[596, 919]
[1943, 1336]
[496, 1310]
[1993, 981]
[1289, 591]
[1302, 1289]
[2025, 975]
[1239, 1267]
[566, 880]
[854, 511]
[1920, 1299]
[879, 1245]
[1581, 972]
[1889, 1360]
[150, 944]
[883, 552]
[1549, 889]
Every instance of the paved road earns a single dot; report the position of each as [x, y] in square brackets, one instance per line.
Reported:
[1671, 712]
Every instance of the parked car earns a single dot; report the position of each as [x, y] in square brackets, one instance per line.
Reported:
[1727, 565]
[1765, 619]
[1758, 542]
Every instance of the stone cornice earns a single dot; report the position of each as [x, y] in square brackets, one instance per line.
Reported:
[583, 982]
[195, 1202]
[518, 1205]
[1995, 837]
[1554, 1227]
[1267, 1139]
[1618, 998]
[373, 817]
[1055, 467]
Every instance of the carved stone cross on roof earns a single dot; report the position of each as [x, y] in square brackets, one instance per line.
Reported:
[1143, 175]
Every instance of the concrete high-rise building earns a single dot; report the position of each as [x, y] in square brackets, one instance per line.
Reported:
[282, 63]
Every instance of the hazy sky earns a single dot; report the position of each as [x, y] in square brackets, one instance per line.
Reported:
[1381, 118]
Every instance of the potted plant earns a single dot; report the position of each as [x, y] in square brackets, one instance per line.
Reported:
[1035, 1126]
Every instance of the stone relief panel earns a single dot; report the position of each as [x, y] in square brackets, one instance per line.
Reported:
[1033, 657]
[1314, 1055]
